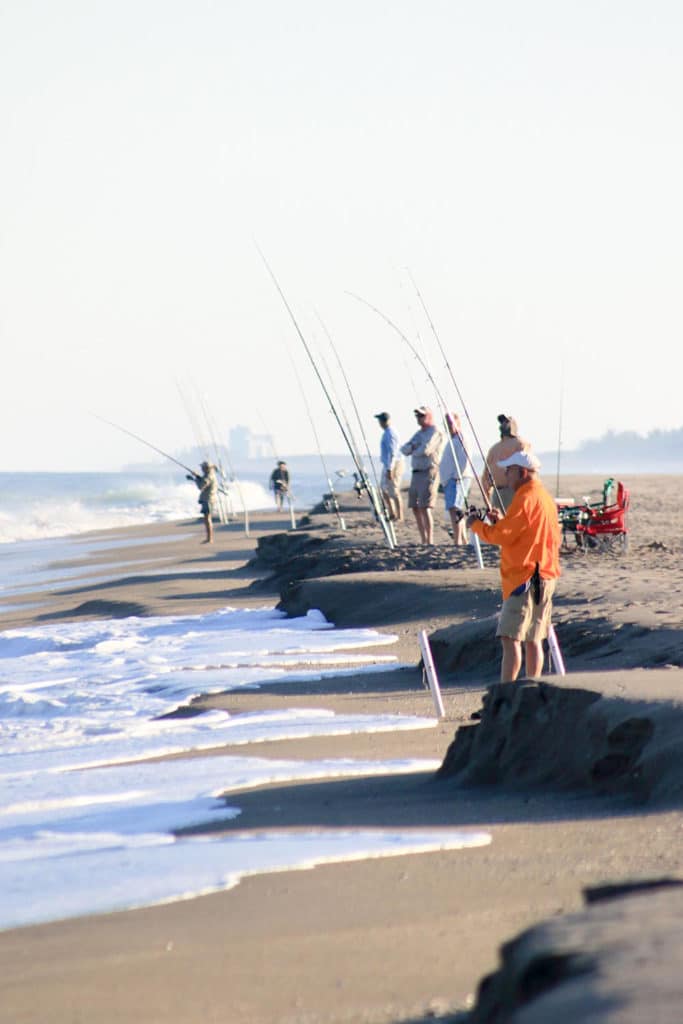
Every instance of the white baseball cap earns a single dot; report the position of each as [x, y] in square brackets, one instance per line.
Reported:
[527, 460]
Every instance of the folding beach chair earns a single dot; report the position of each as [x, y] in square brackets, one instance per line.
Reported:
[600, 526]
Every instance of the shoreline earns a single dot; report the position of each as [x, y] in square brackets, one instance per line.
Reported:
[382, 940]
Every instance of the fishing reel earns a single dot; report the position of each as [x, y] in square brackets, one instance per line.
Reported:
[359, 486]
[478, 513]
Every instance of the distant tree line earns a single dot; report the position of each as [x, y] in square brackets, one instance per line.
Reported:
[657, 446]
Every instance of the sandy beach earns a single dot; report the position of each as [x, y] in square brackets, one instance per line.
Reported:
[578, 780]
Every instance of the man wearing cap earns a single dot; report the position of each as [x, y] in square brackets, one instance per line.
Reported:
[424, 448]
[392, 467]
[529, 539]
[499, 493]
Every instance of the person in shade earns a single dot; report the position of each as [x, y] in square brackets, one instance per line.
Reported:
[392, 467]
[456, 477]
[207, 483]
[529, 538]
[424, 448]
[279, 483]
[499, 494]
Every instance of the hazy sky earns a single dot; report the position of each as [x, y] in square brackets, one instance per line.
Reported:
[524, 158]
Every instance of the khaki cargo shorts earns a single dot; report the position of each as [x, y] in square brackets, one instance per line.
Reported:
[391, 485]
[521, 619]
[424, 487]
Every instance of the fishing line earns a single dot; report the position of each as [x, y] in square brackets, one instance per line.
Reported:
[335, 503]
[363, 476]
[457, 391]
[385, 510]
[440, 399]
[159, 451]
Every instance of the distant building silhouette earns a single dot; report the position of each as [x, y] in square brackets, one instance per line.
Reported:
[244, 444]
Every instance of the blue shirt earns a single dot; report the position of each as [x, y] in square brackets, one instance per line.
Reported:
[388, 449]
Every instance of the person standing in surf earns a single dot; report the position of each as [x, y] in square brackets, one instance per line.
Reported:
[207, 483]
[392, 467]
[529, 538]
[279, 483]
[424, 448]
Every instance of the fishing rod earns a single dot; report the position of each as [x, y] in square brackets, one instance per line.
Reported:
[385, 510]
[457, 391]
[233, 476]
[363, 476]
[202, 444]
[269, 435]
[189, 411]
[446, 420]
[356, 453]
[225, 491]
[553, 643]
[340, 405]
[425, 367]
[124, 430]
[559, 435]
[441, 402]
[335, 503]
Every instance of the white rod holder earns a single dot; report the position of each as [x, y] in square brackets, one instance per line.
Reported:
[430, 672]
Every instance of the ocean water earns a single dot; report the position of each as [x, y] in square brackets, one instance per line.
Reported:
[88, 815]
[39, 505]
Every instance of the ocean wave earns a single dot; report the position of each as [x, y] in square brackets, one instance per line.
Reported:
[59, 505]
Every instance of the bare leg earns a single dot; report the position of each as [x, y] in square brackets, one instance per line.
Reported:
[429, 520]
[389, 504]
[533, 658]
[399, 508]
[209, 528]
[459, 527]
[512, 659]
[419, 520]
[422, 518]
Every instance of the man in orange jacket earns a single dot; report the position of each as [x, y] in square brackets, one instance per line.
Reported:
[529, 539]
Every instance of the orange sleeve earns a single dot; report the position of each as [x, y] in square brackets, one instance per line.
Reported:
[507, 529]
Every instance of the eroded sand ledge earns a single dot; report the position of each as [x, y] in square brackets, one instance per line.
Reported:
[617, 734]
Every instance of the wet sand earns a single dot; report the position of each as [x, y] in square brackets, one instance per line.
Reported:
[404, 938]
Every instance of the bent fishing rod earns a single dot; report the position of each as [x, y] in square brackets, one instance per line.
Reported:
[159, 451]
[553, 643]
[307, 406]
[359, 467]
[457, 389]
[233, 477]
[201, 443]
[441, 402]
[426, 369]
[378, 489]
[340, 405]
[358, 486]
